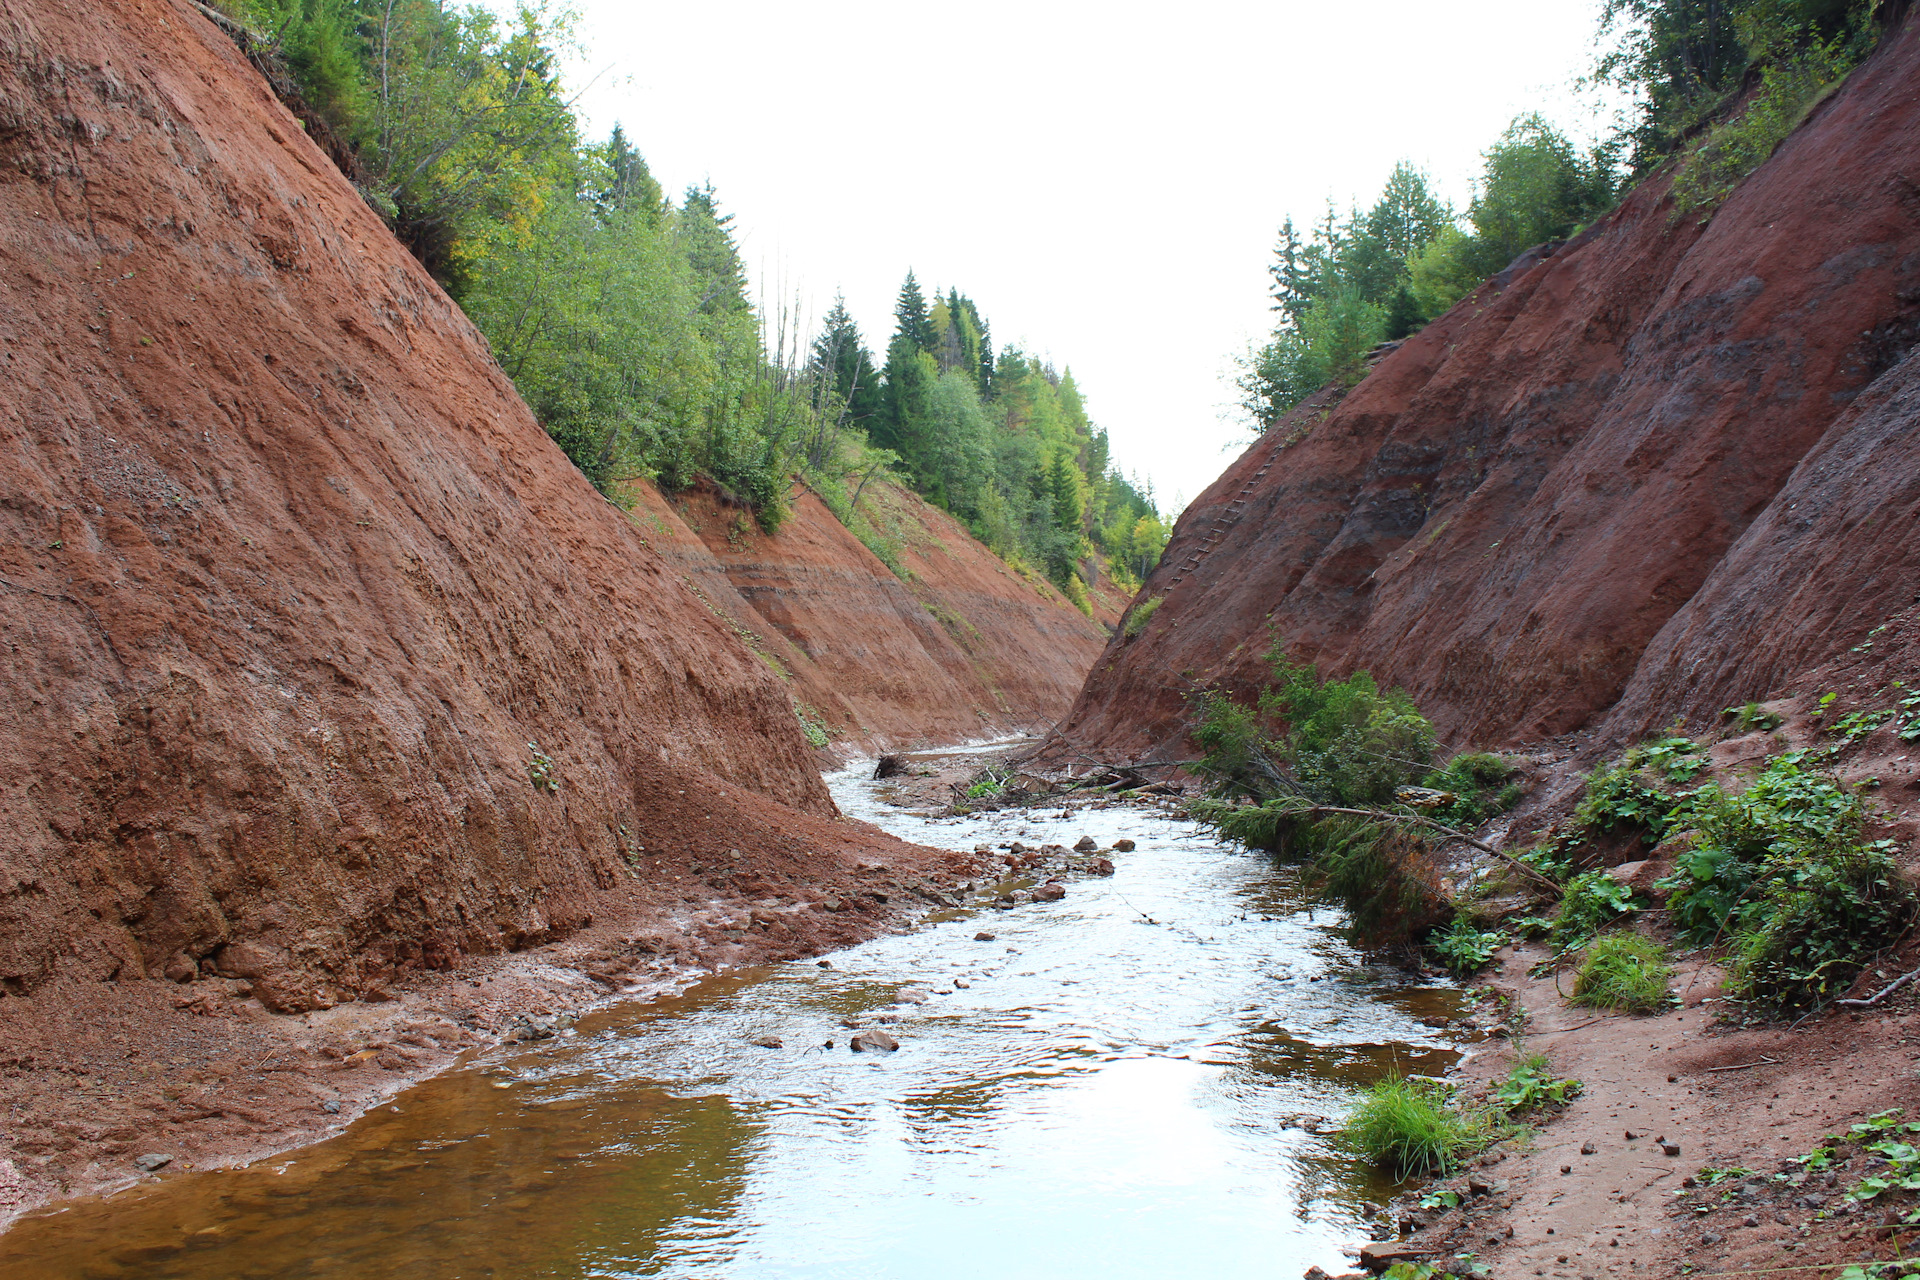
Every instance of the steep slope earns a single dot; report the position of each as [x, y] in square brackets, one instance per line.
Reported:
[962, 647]
[290, 579]
[1505, 514]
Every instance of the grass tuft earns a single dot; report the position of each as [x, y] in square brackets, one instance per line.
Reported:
[1623, 971]
[1412, 1127]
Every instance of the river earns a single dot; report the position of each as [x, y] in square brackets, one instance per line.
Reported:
[1118, 1084]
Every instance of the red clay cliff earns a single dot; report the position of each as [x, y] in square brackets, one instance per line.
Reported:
[1656, 470]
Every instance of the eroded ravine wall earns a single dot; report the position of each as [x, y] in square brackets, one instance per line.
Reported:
[1592, 451]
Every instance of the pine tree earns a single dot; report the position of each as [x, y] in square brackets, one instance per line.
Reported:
[911, 320]
[634, 186]
[847, 366]
[706, 238]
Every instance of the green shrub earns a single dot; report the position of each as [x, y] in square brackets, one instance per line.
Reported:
[1752, 716]
[1751, 842]
[1138, 615]
[1592, 901]
[1788, 89]
[1623, 971]
[1823, 922]
[1618, 796]
[1412, 1127]
[1464, 947]
[1677, 758]
[1483, 785]
[1531, 1084]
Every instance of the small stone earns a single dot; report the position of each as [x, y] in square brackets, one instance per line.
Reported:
[1101, 867]
[962, 983]
[1566, 1169]
[1478, 1186]
[983, 936]
[1587, 1148]
[1711, 1237]
[1631, 1135]
[873, 1042]
[1750, 1221]
[331, 1107]
[1049, 893]
[1673, 1079]
[182, 968]
[152, 1162]
[1670, 1148]
[911, 995]
[1085, 844]
[824, 964]
[832, 904]
[1123, 845]
[769, 1042]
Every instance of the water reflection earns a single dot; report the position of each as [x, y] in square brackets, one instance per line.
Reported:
[1121, 1083]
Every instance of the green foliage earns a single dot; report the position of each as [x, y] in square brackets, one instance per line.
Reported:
[1531, 1085]
[1752, 716]
[1413, 1127]
[1463, 947]
[541, 770]
[1308, 743]
[626, 321]
[1618, 795]
[1683, 60]
[1885, 1136]
[1788, 89]
[1822, 921]
[1623, 971]
[1591, 901]
[1137, 616]
[1676, 758]
[1784, 867]
[812, 724]
[1484, 785]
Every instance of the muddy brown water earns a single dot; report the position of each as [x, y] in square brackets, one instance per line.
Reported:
[1121, 1087]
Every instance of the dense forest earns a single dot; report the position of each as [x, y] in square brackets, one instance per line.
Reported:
[626, 320]
[1715, 85]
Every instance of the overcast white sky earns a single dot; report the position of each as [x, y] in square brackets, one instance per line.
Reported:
[1105, 181]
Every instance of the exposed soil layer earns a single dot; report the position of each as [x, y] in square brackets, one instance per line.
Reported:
[961, 647]
[1653, 471]
[94, 1075]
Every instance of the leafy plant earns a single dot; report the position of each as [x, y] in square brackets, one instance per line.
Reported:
[812, 724]
[1618, 795]
[1623, 971]
[1463, 947]
[1138, 615]
[1752, 716]
[1413, 1126]
[1591, 901]
[541, 770]
[1483, 785]
[1824, 919]
[1532, 1084]
[1678, 758]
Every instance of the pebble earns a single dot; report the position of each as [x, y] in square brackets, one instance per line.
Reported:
[152, 1162]
[1587, 1148]
[331, 1107]
[1123, 845]
[873, 1042]
[1049, 893]
[1085, 844]
[983, 936]
[769, 1042]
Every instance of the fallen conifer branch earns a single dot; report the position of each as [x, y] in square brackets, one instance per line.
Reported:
[1386, 815]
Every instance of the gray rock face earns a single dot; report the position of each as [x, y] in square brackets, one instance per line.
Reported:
[152, 1162]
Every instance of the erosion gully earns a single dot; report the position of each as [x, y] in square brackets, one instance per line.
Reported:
[1127, 1082]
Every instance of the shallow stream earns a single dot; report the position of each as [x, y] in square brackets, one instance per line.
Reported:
[1119, 1084]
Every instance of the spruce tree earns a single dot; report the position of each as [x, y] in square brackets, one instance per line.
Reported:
[847, 366]
[911, 320]
[706, 238]
[634, 186]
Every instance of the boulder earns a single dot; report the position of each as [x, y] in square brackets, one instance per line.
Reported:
[1123, 845]
[1085, 844]
[1049, 892]
[871, 1041]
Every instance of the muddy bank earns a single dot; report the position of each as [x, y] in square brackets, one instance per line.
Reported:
[95, 1075]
